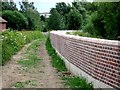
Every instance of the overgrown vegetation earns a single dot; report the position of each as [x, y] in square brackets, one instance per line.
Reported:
[84, 34]
[73, 82]
[56, 60]
[93, 18]
[24, 84]
[32, 59]
[78, 83]
[97, 18]
[13, 41]
[16, 20]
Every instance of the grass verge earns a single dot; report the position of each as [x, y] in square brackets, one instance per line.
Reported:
[74, 82]
[57, 62]
[32, 59]
[13, 41]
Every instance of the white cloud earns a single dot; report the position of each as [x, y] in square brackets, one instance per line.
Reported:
[46, 1]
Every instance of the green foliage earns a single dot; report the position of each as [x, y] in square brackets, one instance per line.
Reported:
[58, 63]
[32, 14]
[111, 18]
[19, 85]
[56, 60]
[56, 21]
[78, 83]
[62, 8]
[15, 19]
[24, 84]
[14, 41]
[94, 26]
[42, 18]
[32, 59]
[26, 18]
[8, 5]
[80, 8]
[31, 24]
[98, 21]
[74, 19]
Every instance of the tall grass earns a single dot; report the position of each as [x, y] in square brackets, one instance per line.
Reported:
[56, 60]
[13, 41]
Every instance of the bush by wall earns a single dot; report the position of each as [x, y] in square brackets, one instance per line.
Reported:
[14, 41]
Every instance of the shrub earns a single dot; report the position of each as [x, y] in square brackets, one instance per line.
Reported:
[94, 25]
[74, 20]
[15, 20]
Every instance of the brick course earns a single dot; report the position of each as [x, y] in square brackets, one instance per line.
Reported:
[99, 58]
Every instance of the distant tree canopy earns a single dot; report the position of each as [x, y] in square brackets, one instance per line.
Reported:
[103, 20]
[74, 19]
[98, 19]
[8, 5]
[26, 18]
[56, 20]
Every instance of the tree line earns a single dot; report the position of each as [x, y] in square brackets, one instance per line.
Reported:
[27, 18]
[98, 18]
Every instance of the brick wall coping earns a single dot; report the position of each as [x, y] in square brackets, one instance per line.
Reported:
[89, 39]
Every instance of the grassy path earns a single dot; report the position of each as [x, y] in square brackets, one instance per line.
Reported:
[31, 68]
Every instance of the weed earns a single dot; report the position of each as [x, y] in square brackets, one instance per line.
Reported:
[24, 84]
[77, 82]
[19, 85]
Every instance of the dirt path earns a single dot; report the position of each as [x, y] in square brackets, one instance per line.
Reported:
[44, 76]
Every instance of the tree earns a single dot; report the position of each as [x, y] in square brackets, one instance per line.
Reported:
[42, 18]
[62, 8]
[56, 21]
[111, 18]
[8, 5]
[15, 20]
[103, 19]
[74, 19]
[32, 14]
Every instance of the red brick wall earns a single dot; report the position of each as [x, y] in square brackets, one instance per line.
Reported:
[97, 57]
[2, 27]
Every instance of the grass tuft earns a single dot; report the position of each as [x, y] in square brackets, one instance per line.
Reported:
[24, 84]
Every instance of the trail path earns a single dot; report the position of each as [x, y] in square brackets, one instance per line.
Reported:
[44, 75]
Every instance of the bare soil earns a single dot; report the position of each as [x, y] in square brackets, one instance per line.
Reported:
[44, 74]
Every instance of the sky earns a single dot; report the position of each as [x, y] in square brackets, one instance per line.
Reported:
[44, 5]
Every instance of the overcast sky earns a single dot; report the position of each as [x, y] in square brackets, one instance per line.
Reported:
[44, 5]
